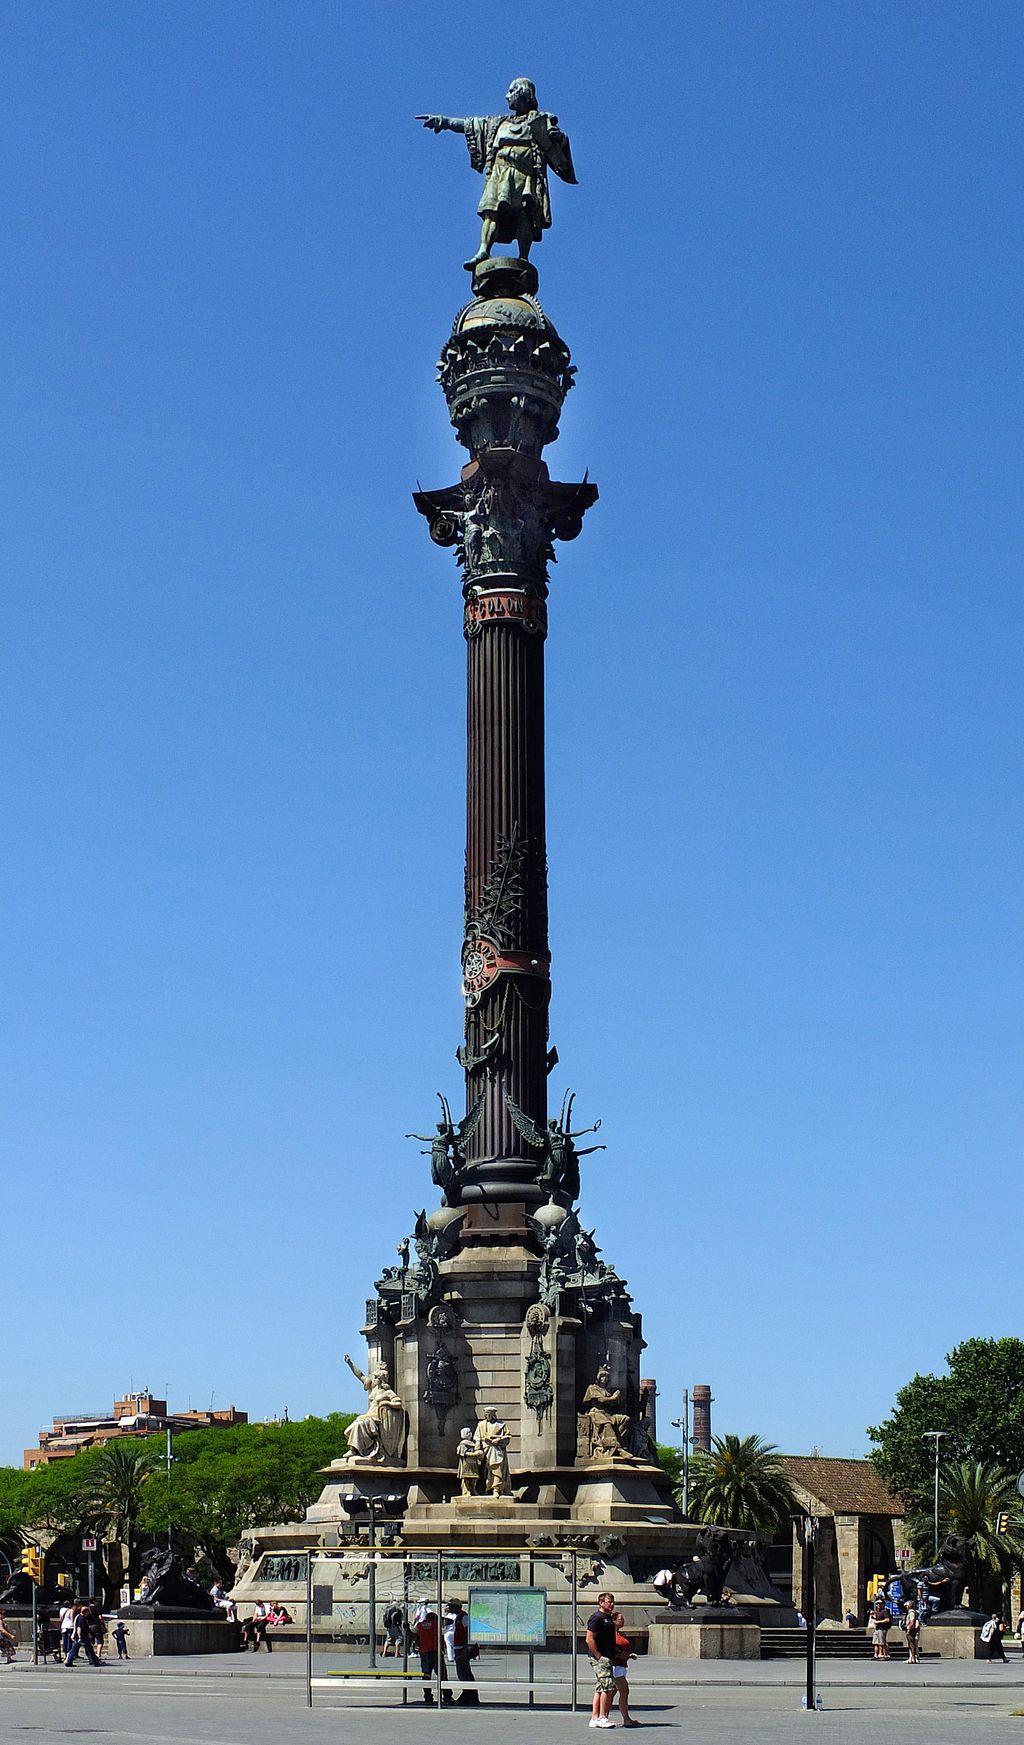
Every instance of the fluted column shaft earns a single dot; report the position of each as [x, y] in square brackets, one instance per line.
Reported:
[505, 374]
[505, 807]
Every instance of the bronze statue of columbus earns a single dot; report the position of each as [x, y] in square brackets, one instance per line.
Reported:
[514, 153]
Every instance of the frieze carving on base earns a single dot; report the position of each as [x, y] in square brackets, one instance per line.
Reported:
[466, 1569]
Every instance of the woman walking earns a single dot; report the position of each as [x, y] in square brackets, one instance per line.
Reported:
[8, 1645]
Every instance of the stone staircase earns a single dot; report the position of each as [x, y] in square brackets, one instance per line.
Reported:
[791, 1644]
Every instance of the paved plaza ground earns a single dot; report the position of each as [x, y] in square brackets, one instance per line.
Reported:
[255, 1701]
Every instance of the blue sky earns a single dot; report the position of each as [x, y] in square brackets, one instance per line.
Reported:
[784, 741]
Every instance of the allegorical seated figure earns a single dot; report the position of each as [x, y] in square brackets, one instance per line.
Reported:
[514, 152]
[378, 1434]
[604, 1430]
[492, 1440]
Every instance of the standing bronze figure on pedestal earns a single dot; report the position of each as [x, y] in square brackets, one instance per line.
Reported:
[514, 152]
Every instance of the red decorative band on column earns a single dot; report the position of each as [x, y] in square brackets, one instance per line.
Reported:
[483, 962]
[505, 606]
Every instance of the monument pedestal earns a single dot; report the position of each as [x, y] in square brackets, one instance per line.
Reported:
[159, 1630]
[705, 1633]
[500, 1345]
[955, 1635]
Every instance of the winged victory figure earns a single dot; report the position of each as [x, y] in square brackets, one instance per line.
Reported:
[560, 1170]
[447, 1151]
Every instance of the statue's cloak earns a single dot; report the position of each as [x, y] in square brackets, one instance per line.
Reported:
[514, 154]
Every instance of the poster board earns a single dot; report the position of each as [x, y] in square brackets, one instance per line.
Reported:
[508, 1617]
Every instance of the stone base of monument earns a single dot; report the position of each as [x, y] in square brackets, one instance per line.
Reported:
[705, 1633]
[497, 1540]
[159, 1630]
[502, 1338]
[955, 1635]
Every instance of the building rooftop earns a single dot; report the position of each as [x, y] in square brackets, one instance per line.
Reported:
[138, 1413]
[844, 1487]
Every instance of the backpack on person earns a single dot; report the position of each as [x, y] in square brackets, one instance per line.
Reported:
[988, 1630]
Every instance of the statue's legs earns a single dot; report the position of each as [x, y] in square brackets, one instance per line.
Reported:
[524, 236]
[487, 230]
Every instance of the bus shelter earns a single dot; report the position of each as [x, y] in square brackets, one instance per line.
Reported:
[524, 1618]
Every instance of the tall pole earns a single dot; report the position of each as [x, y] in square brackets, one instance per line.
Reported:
[686, 1453]
[937, 1435]
[505, 373]
[170, 1462]
[810, 1701]
[372, 1579]
[405, 1625]
[309, 1629]
[683, 1426]
[574, 1669]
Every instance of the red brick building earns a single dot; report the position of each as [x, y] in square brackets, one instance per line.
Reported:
[137, 1414]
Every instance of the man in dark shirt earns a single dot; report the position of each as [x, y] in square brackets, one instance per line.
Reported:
[601, 1648]
[82, 1639]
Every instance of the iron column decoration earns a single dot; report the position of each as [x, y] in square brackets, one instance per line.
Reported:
[505, 374]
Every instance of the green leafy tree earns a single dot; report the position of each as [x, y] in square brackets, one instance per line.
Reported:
[741, 1484]
[117, 1485]
[13, 1511]
[14, 1507]
[55, 1498]
[980, 1406]
[671, 1459]
[972, 1494]
[225, 1482]
[58, 1496]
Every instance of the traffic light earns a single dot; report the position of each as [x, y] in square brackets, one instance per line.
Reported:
[32, 1564]
[1003, 1522]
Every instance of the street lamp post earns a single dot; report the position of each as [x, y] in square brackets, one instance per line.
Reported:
[354, 1505]
[170, 1463]
[683, 1426]
[937, 1435]
[810, 1700]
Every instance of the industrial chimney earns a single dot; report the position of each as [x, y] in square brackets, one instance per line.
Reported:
[702, 1418]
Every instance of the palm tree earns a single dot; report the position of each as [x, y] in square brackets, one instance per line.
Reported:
[115, 1493]
[740, 1483]
[972, 1495]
